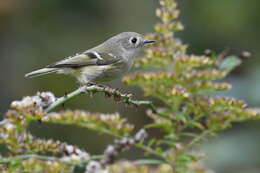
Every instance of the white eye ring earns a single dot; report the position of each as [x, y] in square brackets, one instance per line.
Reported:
[133, 40]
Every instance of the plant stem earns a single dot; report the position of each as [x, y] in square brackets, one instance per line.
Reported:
[116, 94]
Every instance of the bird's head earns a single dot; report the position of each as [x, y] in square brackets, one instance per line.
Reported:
[128, 44]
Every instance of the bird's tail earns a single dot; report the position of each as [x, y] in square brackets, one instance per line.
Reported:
[41, 72]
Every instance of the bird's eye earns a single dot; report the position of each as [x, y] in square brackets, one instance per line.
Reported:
[133, 40]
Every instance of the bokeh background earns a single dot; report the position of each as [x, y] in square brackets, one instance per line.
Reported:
[36, 33]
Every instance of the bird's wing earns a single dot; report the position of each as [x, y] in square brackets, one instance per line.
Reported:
[86, 59]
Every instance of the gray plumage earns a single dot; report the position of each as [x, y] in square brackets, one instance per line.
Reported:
[104, 62]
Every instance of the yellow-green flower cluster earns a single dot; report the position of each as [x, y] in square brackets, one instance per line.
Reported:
[10, 136]
[204, 75]
[36, 166]
[165, 48]
[131, 167]
[66, 152]
[63, 157]
[182, 81]
[112, 124]
[188, 85]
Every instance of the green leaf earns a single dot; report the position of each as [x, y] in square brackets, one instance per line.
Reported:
[149, 161]
[151, 142]
[168, 142]
[230, 63]
[158, 149]
[189, 134]
[197, 125]
[181, 116]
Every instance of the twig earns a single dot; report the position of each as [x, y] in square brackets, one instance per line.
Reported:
[111, 92]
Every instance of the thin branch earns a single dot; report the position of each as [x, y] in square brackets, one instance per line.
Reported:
[110, 92]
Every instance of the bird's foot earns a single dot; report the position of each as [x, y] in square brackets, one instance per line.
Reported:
[95, 84]
[90, 84]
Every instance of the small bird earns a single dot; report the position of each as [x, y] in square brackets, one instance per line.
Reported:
[105, 62]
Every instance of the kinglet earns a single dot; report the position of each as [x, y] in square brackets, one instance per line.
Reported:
[104, 62]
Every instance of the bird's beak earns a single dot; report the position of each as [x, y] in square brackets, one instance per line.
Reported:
[148, 41]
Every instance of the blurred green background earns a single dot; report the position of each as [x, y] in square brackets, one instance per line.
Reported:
[36, 33]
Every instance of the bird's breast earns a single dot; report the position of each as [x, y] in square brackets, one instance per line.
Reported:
[114, 71]
[103, 73]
